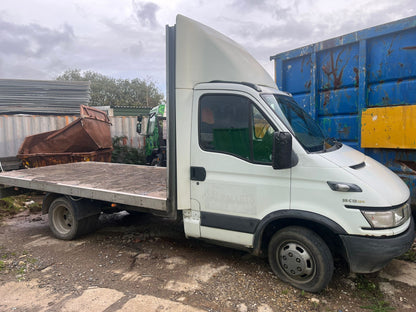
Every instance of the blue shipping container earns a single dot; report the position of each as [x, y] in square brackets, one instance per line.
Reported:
[339, 79]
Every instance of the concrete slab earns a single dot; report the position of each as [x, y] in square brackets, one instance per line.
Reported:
[400, 271]
[151, 304]
[97, 299]
[25, 296]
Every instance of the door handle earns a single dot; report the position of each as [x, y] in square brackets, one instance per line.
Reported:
[198, 174]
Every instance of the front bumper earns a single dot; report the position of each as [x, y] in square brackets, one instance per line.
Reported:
[371, 254]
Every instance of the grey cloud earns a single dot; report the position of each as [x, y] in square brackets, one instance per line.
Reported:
[266, 7]
[146, 13]
[135, 49]
[248, 4]
[32, 40]
[281, 30]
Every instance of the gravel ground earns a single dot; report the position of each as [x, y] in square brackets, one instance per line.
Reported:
[144, 263]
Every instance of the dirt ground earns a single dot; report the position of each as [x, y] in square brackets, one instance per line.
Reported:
[144, 263]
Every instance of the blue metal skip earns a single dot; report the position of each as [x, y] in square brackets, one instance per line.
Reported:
[337, 79]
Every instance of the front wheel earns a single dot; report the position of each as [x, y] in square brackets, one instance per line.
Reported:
[300, 257]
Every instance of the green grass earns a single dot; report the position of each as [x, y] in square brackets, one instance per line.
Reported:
[379, 306]
[21, 270]
[12, 205]
[369, 290]
[410, 255]
[31, 260]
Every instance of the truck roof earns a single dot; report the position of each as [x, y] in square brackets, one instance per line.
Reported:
[203, 54]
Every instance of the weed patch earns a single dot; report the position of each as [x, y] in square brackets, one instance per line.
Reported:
[370, 291]
[9, 206]
[123, 153]
[410, 255]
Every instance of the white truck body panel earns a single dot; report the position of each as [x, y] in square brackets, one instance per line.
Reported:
[233, 186]
[310, 191]
[183, 137]
[203, 55]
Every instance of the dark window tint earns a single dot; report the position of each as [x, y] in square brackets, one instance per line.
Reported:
[228, 124]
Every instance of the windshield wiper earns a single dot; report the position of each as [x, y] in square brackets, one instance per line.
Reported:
[332, 142]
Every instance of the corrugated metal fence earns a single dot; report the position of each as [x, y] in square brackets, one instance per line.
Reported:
[19, 96]
[14, 128]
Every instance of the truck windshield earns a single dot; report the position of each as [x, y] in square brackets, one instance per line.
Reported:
[300, 124]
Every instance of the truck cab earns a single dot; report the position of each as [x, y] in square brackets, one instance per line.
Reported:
[155, 136]
[255, 171]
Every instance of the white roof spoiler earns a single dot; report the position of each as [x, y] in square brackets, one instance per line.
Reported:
[205, 55]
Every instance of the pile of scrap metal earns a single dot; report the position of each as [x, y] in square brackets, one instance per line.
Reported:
[87, 138]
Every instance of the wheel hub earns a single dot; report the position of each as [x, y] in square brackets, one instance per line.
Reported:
[63, 219]
[296, 261]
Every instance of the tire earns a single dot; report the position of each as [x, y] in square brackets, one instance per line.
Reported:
[63, 222]
[301, 258]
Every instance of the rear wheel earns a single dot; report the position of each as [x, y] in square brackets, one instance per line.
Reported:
[63, 220]
[300, 257]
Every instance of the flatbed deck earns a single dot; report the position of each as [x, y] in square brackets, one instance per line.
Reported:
[134, 185]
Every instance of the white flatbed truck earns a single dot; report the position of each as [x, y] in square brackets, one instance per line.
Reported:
[246, 167]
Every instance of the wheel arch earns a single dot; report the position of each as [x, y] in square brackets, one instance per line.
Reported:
[48, 200]
[83, 207]
[327, 229]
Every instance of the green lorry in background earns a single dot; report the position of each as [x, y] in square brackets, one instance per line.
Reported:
[153, 127]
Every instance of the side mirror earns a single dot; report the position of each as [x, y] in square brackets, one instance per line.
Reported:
[282, 150]
[139, 128]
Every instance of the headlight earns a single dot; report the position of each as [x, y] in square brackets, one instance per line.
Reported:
[387, 218]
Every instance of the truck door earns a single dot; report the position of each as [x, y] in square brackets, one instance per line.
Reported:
[233, 183]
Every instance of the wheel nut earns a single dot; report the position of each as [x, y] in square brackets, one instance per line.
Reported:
[290, 254]
[297, 260]
[299, 269]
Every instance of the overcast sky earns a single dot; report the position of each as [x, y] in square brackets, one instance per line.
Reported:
[40, 39]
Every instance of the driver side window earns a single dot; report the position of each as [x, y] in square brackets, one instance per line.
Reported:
[232, 124]
[262, 138]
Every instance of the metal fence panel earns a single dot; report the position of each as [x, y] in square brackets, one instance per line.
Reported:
[18, 96]
[14, 128]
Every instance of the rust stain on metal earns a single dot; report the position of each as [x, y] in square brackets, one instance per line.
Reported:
[390, 50]
[326, 98]
[85, 139]
[344, 130]
[308, 62]
[357, 76]
[331, 69]
[410, 165]
[409, 48]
